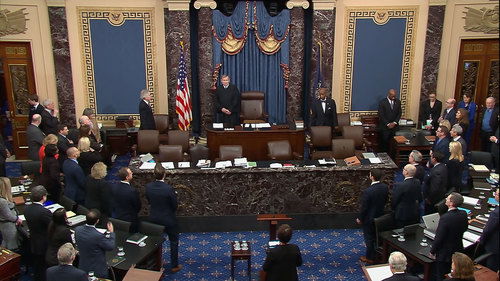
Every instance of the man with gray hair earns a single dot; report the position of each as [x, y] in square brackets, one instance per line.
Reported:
[406, 197]
[397, 264]
[49, 118]
[415, 158]
[456, 135]
[65, 270]
[145, 111]
[449, 233]
[489, 123]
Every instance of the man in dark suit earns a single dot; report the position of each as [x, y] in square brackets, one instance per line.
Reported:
[442, 143]
[63, 143]
[65, 270]
[435, 183]
[389, 113]
[38, 219]
[489, 123]
[490, 237]
[456, 135]
[74, 178]
[49, 118]
[35, 106]
[282, 261]
[93, 245]
[373, 201]
[449, 233]
[494, 149]
[324, 111]
[430, 110]
[4, 154]
[126, 201]
[146, 112]
[163, 200]
[415, 158]
[227, 102]
[449, 113]
[34, 137]
[406, 196]
[397, 264]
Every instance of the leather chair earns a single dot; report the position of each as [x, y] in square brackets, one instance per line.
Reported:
[356, 133]
[198, 152]
[149, 228]
[120, 225]
[321, 142]
[252, 108]
[147, 141]
[170, 153]
[178, 137]
[344, 119]
[281, 150]
[343, 148]
[229, 152]
[481, 158]
[162, 125]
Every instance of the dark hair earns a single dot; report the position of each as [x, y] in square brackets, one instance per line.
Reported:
[456, 199]
[464, 116]
[58, 219]
[438, 155]
[445, 130]
[377, 174]
[159, 171]
[469, 95]
[33, 97]
[50, 150]
[61, 127]
[284, 233]
[37, 193]
[123, 173]
[93, 216]
[84, 131]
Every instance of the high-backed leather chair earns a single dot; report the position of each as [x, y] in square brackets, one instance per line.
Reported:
[179, 137]
[162, 125]
[344, 119]
[198, 152]
[281, 150]
[342, 148]
[321, 142]
[355, 133]
[252, 108]
[147, 141]
[170, 153]
[229, 152]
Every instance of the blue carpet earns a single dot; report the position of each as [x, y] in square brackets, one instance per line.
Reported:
[120, 161]
[326, 254]
[13, 169]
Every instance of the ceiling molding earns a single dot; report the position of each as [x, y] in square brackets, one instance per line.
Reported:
[177, 5]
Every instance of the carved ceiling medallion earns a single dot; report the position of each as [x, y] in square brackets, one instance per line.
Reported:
[482, 20]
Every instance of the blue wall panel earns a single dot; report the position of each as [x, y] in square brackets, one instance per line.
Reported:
[378, 59]
[119, 67]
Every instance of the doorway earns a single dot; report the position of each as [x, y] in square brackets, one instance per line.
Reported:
[18, 81]
[478, 75]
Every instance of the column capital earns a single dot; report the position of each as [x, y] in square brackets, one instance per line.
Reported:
[297, 3]
[205, 4]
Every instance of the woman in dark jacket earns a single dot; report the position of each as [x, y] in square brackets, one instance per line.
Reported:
[57, 235]
[282, 261]
[88, 156]
[51, 172]
[455, 167]
[98, 194]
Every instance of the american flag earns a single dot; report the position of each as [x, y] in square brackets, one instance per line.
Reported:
[183, 99]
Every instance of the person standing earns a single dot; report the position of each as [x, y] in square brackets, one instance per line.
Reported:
[489, 123]
[51, 173]
[163, 201]
[58, 234]
[406, 196]
[63, 143]
[38, 219]
[282, 261]
[90, 113]
[490, 237]
[430, 110]
[92, 245]
[449, 233]
[4, 154]
[456, 135]
[8, 216]
[99, 194]
[449, 113]
[468, 104]
[66, 254]
[35, 106]
[435, 183]
[455, 167]
[373, 201]
[389, 113]
[442, 142]
[73, 177]
[49, 118]
[127, 204]
[494, 149]
[146, 112]
[324, 110]
[34, 137]
[415, 158]
[227, 102]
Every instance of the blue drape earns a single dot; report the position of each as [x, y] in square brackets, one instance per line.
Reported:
[251, 69]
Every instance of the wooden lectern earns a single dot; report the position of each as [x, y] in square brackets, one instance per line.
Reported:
[273, 222]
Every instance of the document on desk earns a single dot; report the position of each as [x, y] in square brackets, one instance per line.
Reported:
[146, 157]
[218, 125]
[147, 166]
[52, 208]
[241, 162]
[470, 200]
[375, 160]
[378, 272]
[168, 165]
[262, 125]
[480, 168]
[368, 155]
[223, 164]
[468, 235]
[275, 165]
[184, 164]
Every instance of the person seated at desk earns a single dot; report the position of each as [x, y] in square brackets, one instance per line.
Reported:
[126, 201]
[406, 196]
[93, 245]
[227, 102]
[324, 111]
[282, 261]
[65, 270]
[397, 264]
[462, 268]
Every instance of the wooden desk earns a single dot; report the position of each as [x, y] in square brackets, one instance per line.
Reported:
[273, 222]
[240, 254]
[400, 151]
[10, 265]
[254, 143]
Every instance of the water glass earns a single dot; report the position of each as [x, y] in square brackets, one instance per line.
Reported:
[121, 253]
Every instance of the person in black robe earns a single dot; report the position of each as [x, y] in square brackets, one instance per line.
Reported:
[227, 102]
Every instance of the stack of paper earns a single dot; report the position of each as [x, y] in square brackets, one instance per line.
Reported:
[240, 162]
[262, 125]
[147, 166]
[223, 164]
[480, 168]
[472, 237]
[375, 160]
[218, 125]
[146, 157]
[356, 123]
[327, 161]
[183, 164]
[368, 155]
[470, 200]
[275, 165]
[17, 189]
[52, 208]
[168, 165]
[203, 163]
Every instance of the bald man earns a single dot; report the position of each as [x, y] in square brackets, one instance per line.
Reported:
[34, 136]
[449, 111]
[74, 178]
[389, 113]
[406, 197]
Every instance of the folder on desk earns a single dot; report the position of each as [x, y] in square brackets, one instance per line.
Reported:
[400, 139]
[352, 161]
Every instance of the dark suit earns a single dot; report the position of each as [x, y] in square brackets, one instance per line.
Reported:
[228, 98]
[324, 118]
[87, 160]
[486, 134]
[3, 157]
[60, 235]
[406, 196]
[35, 110]
[442, 145]
[163, 201]
[490, 239]
[450, 116]
[420, 173]
[35, 138]
[435, 185]
[463, 143]
[281, 263]
[448, 240]
[92, 246]
[402, 277]
[146, 114]
[49, 123]
[126, 203]
[67, 273]
[386, 115]
[63, 145]
[426, 110]
[74, 181]
[373, 201]
[455, 170]
[99, 196]
[38, 219]
[494, 150]
[50, 177]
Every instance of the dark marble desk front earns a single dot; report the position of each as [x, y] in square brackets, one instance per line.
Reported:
[238, 191]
